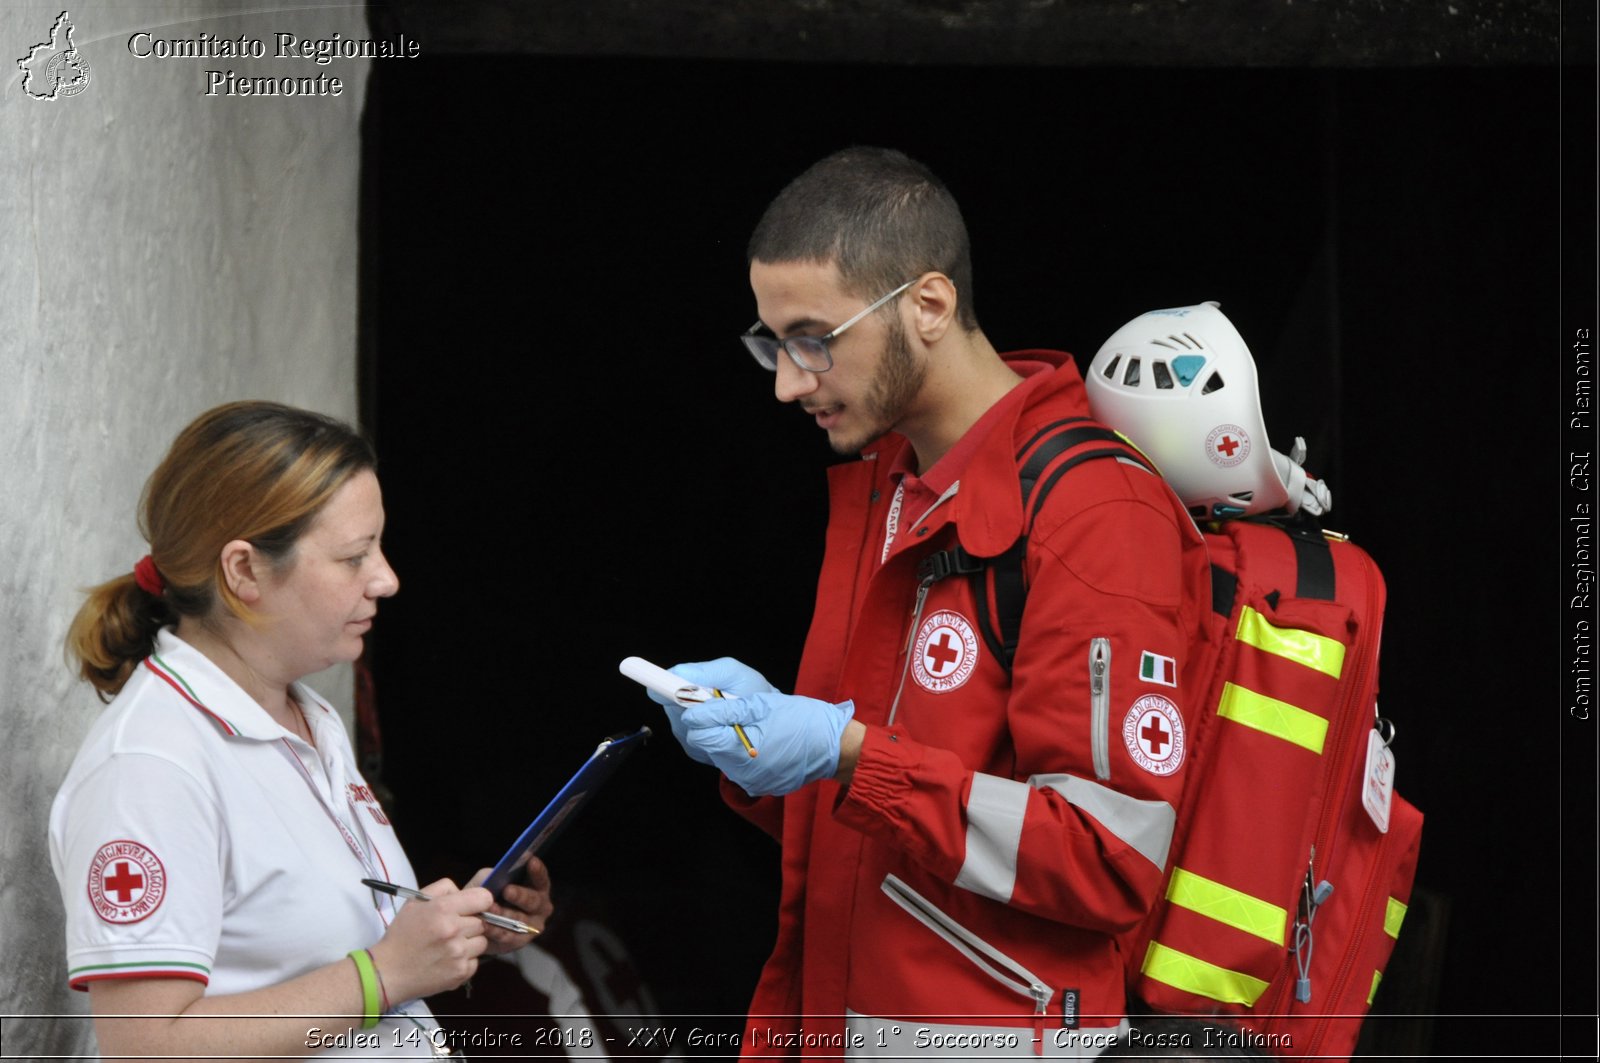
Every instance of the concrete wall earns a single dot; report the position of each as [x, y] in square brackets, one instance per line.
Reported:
[161, 251]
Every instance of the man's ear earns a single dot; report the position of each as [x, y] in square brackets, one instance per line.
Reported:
[934, 299]
[242, 567]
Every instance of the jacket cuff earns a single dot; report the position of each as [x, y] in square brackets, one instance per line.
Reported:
[882, 779]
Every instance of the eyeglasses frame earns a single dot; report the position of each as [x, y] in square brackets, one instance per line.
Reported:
[827, 351]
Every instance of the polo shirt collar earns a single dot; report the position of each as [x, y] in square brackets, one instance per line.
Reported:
[208, 690]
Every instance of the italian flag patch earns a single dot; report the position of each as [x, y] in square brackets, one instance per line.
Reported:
[1154, 668]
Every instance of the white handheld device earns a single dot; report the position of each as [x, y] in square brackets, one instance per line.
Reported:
[677, 689]
[670, 686]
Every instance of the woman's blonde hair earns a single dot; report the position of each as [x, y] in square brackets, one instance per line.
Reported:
[257, 471]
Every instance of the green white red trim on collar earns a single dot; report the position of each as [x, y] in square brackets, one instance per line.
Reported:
[170, 676]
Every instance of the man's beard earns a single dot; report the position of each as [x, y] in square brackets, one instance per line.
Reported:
[895, 384]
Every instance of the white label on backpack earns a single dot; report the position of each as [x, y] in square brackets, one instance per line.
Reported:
[1377, 792]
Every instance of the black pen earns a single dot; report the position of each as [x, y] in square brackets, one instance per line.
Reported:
[417, 895]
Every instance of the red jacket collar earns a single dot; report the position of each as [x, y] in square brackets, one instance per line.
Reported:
[987, 506]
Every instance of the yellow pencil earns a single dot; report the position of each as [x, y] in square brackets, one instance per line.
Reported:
[744, 739]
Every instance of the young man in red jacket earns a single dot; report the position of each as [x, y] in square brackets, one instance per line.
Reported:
[962, 840]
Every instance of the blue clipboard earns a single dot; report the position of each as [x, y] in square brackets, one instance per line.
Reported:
[559, 812]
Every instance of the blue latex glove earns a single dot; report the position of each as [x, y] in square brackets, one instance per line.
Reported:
[724, 674]
[796, 739]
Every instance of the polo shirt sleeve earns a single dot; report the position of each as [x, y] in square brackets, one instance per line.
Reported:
[138, 850]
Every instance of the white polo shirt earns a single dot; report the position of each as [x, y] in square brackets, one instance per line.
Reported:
[194, 837]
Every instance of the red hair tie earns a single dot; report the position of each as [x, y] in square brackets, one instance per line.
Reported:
[148, 578]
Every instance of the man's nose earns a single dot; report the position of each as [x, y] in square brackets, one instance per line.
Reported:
[790, 382]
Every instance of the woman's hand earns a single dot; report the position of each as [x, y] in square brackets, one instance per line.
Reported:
[433, 945]
[529, 903]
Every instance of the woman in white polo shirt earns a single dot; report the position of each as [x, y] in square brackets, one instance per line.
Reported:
[211, 837]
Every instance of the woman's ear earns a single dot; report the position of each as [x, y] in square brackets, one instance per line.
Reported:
[241, 570]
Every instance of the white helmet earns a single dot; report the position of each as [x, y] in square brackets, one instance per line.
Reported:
[1181, 385]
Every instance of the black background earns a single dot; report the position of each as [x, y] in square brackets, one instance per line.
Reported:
[580, 463]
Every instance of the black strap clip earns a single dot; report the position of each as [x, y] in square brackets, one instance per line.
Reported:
[953, 561]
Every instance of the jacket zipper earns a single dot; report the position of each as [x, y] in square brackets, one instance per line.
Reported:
[911, 636]
[1100, 706]
[986, 957]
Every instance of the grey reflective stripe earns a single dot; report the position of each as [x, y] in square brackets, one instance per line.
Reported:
[995, 809]
[1146, 826]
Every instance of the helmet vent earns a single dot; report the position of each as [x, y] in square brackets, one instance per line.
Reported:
[1197, 343]
[1213, 384]
[1111, 370]
[1243, 496]
[1131, 377]
[1163, 343]
[1163, 377]
[1187, 367]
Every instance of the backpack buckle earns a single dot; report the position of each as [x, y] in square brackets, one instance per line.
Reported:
[936, 567]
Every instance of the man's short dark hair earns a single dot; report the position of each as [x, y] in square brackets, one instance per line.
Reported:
[881, 217]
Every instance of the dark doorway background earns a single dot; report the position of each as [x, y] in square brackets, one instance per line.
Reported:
[580, 463]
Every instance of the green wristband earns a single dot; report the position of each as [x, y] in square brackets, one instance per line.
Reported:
[369, 987]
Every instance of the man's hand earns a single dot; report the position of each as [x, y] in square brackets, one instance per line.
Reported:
[724, 674]
[796, 739]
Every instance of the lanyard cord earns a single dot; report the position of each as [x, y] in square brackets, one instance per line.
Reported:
[343, 829]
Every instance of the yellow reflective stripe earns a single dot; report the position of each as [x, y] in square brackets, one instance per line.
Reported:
[1393, 917]
[1193, 975]
[1314, 651]
[1277, 718]
[1377, 976]
[1228, 905]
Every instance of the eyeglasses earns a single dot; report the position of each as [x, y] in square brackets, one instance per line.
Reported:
[810, 353]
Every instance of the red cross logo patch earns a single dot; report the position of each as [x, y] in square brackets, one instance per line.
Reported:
[1227, 445]
[364, 796]
[1153, 732]
[126, 882]
[945, 653]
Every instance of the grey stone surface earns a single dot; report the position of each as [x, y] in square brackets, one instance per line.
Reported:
[161, 251]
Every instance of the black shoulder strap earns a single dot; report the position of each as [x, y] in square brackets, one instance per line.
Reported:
[1313, 558]
[1038, 472]
[1001, 621]
[1091, 441]
[1313, 563]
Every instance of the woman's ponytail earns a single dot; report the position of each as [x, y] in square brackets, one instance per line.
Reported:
[114, 630]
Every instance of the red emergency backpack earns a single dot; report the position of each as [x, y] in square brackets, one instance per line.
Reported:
[1283, 897]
